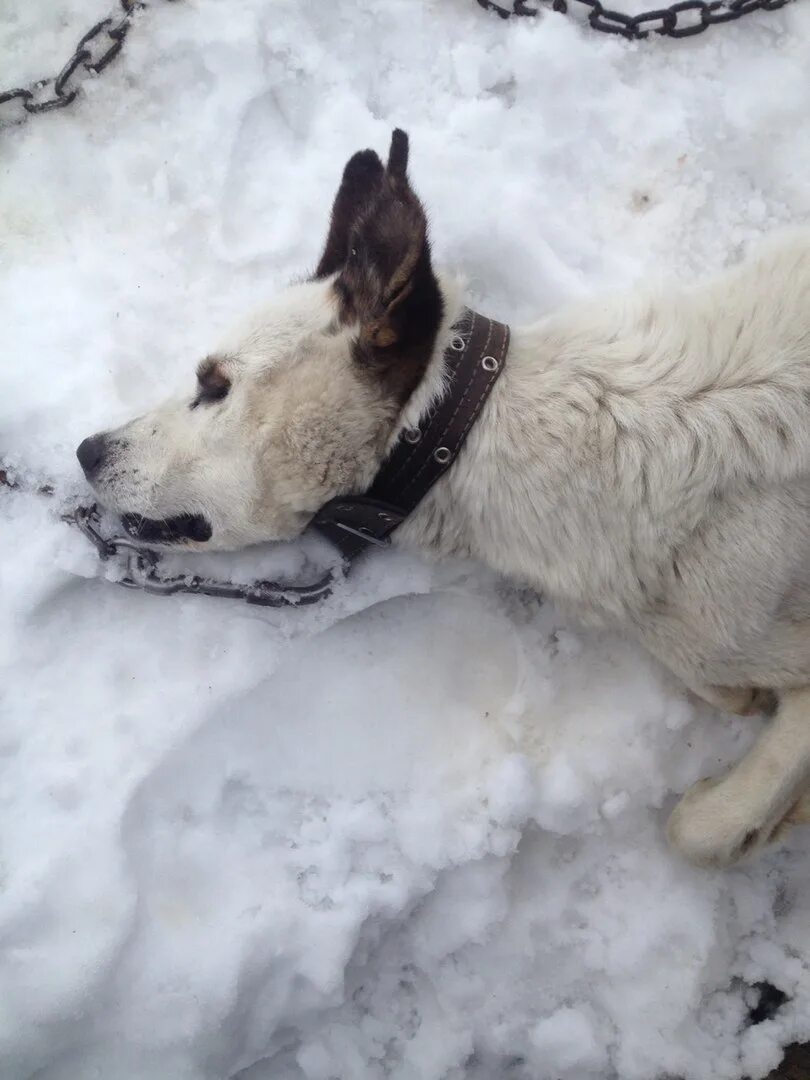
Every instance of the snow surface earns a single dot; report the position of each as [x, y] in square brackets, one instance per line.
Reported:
[416, 832]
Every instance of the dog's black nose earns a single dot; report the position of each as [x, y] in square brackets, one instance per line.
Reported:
[90, 453]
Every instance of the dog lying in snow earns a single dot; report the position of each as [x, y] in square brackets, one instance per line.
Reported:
[643, 460]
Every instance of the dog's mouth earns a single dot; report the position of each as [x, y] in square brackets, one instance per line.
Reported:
[173, 530]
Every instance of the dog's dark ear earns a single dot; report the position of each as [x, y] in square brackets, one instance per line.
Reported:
[362, 179]
[387, 283]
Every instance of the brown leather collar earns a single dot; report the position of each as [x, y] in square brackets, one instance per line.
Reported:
[475, 358]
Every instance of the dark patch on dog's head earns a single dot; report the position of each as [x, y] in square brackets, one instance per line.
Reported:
[173, 530]
[212, 382]
[378, 241]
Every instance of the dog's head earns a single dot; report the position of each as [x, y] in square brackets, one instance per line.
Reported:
[299, 406]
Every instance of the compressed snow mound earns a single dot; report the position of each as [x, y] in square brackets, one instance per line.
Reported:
[415, 832]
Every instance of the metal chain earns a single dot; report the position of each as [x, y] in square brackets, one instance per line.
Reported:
[142, 563]
[95, 49]
[680, 20]
[100, 45]
[140, 567]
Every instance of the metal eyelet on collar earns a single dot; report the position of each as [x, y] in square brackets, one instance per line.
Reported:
[489, 363]
[457, 343]
[412, 435]
[442, 455]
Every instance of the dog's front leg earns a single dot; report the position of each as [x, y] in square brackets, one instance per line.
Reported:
[718, 822]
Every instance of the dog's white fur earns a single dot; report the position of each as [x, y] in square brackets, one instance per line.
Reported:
[643, 460]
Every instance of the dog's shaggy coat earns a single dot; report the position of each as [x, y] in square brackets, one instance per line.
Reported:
[643, 460]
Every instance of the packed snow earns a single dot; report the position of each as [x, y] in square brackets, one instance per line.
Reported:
[417, 831]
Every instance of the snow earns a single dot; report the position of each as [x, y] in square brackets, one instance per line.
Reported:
[415, 832]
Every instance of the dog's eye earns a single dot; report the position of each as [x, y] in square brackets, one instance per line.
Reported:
[212, 382]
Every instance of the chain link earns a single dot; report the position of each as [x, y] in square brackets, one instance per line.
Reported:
[95, 49]
[684, 19]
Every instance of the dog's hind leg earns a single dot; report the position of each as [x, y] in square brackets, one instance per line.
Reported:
[718, 822]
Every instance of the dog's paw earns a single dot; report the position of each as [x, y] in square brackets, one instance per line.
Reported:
[712, 827]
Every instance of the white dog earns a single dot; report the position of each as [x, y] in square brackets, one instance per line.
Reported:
[644, 459]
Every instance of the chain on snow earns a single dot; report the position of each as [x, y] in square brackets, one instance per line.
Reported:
[677, 21]
[142, 572]
[103, 42]
[95, 49]
[141, 565]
